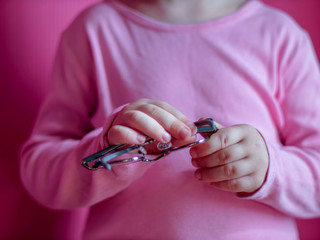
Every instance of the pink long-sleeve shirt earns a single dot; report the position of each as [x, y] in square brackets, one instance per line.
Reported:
[255, 66]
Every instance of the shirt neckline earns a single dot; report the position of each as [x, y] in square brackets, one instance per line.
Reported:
[152, 23]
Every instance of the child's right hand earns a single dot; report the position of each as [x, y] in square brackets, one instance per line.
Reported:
[151, 118]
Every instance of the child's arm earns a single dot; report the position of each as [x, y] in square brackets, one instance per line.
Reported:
[50, 165]
[51, 159]
[64, 134]
[292, 183]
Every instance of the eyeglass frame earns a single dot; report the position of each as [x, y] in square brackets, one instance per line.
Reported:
[103, 158]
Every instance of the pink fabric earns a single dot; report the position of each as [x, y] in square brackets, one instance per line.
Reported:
[307, 14]
[103, 62]
[24, 74]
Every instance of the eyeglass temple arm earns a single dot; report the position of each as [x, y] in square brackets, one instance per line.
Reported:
[103, 153]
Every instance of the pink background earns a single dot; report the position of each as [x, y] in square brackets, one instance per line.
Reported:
[29, 33]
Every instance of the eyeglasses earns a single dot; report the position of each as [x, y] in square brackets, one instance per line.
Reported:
[122, 154]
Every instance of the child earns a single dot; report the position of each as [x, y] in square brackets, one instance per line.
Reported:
[130, 69]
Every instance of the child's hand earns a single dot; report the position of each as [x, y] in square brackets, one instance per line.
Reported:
[234, 159]
[151, 118]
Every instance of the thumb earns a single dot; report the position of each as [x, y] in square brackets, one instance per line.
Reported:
[218, 125]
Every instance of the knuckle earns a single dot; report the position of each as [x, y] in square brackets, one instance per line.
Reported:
[234, 185]
[179, 129]
[224, 140]
[229, 170]
[175, 125]
[132, 116]
[115, 133]
[112, 131]
[112, 134]
[162, 104]
[223, 157]
[150, 109]
[141, 101]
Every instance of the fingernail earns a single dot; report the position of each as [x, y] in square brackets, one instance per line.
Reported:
[166, 137]
[141, 139]
[184, 133]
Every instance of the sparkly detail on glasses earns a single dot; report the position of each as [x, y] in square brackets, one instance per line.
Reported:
[164, 146]
[121, 154]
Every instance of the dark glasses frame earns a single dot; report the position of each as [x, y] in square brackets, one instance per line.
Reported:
[106, 157]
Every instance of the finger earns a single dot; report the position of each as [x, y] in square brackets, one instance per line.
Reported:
[168, 108]
[218, 125]
[177, 128]
[221, 139]
[226, 172]
[239, 185]
[118, 134]
[179, 115]
[227, 155]
[143, 123]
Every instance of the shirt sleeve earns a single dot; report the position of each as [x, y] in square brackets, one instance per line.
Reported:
[293, 181]
[50, 163]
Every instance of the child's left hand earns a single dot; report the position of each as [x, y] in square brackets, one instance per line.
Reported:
[234, 159]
